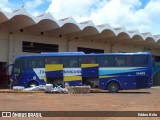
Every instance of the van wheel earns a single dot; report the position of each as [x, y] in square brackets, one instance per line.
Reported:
[113, 87]
[32, 83]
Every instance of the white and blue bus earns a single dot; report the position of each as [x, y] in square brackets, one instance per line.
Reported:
[111, 71]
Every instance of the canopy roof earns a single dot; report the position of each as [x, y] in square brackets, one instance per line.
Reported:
[20, 20]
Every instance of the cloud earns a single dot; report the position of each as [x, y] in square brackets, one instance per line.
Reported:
[118, 13]
[76, 8]
[32, 4]
[3, 3]
[131, 14]
[3, 6]
[34, 7]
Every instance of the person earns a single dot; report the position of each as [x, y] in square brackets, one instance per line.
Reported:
[13, 80]
[106, 63]
[116, 62]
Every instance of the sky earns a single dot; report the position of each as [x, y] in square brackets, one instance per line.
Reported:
[142, 15]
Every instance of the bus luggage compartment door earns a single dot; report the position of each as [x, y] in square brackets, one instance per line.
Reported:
[54, 74]
[90, 70]
[54, 70]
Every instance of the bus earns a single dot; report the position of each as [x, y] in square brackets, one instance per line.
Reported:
[110, 71]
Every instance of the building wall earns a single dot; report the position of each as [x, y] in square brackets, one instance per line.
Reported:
[73, 44]
[4, 46]
[155, 52]
[19, 38]
[6, 53]
[126, 48]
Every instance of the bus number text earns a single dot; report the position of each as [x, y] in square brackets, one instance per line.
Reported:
[140, 73]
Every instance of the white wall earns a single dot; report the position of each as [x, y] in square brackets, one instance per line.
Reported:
[155, 52]
[18, 38]
[73, 44]
[126, 48]
[4, 45]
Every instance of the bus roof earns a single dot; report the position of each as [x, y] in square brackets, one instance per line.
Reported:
[79, 54]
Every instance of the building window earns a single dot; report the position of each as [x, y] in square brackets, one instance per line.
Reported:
[34, 47]
[89, 50]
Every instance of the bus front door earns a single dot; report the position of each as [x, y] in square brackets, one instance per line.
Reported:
[54, 74]
[90, 75]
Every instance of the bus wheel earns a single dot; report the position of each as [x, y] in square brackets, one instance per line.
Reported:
[32, 83]
[113, 87]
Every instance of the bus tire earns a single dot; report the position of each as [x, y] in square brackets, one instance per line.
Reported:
[113, 87]
[32, 83]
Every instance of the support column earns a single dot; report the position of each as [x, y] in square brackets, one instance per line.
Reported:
[11, 49]
[68, 45]
[111, 48]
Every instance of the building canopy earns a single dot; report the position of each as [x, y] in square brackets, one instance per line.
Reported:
[21, 21]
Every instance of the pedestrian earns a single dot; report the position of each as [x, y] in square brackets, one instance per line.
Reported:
[13, 80]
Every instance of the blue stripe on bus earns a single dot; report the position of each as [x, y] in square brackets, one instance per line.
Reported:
[58, 73]
[75, 83]
[90, 72]
[118, 71]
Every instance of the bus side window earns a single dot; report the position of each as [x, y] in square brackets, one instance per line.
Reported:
[106, 63]
[100, 60]
[88, 60]
[36, 62]
[129, 61]
[53, 60]
[93, 60]
[33, 64]
[140, 61]
[73, 63]
[116, 62]
[120, 61]
[70, 62]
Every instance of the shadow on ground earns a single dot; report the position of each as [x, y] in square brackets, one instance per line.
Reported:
[134, 92]
[4, 87]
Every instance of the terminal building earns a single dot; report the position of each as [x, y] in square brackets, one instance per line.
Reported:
[22, 33]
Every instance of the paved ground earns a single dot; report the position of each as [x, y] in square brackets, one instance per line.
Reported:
[135, 100]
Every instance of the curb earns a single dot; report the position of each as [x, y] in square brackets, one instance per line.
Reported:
[13, 91]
